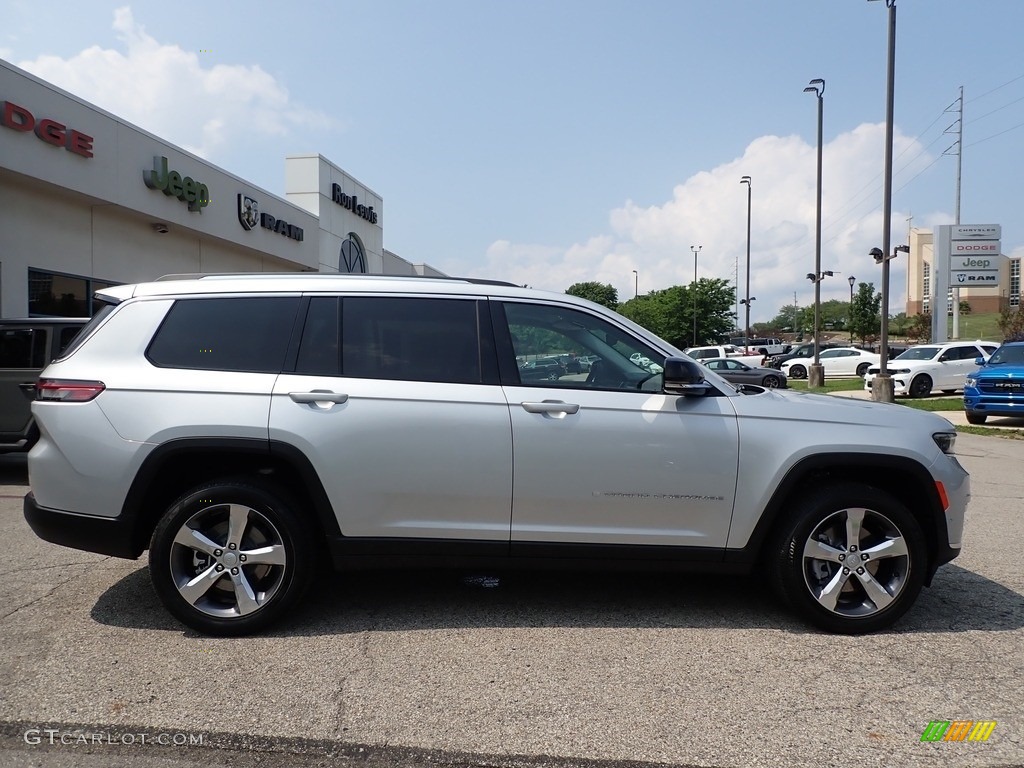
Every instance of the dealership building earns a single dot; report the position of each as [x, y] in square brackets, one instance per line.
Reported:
[88, 200]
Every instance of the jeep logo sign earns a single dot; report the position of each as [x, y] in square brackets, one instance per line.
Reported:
[173, 184]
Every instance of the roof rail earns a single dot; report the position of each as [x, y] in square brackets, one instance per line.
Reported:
[324, 275]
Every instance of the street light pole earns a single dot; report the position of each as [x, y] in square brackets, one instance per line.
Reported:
[746, 328]
[696, 249]
[636, 284]
[816, 376]
[851, 279]
[882, 385]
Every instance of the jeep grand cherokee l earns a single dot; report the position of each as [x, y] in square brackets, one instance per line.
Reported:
[239, 427]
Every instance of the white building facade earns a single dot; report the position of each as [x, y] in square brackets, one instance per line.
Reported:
[88, 200]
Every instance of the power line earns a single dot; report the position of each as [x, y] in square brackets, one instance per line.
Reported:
[998, 87]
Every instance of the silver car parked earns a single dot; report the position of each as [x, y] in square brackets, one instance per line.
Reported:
[741, 373]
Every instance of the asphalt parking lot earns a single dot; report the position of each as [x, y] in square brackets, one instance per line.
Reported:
[497, 669]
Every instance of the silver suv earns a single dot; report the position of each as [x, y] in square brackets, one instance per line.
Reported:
[242, 427]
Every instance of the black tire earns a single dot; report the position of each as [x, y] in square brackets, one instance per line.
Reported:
[771, 382]
[862, 369]
[821, 524]
[243, 596]
[798, 372]
[975, 418]
[920, 386]
[948, 391]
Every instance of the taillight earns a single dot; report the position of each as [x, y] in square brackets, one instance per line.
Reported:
[68, 390]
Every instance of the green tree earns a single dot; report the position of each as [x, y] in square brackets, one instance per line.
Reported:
[898, 324]
[1011, 323]
[599, 293]
[965, 307]
[669, 313]
[865, 318]
[920, 328]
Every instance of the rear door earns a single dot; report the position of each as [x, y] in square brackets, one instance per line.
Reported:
[956, 363]
[396, 402]
[603, 457]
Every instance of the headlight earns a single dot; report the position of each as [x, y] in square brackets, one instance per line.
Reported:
[945, 441]
[971, 381]
[901, 370]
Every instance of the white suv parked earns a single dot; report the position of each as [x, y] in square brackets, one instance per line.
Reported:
[243, 427]
[945, 366]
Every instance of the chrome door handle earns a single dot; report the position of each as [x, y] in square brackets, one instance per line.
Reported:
[551, 406]
[318, 396]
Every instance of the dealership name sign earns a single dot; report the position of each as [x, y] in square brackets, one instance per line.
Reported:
[975, 255]
[351, 203]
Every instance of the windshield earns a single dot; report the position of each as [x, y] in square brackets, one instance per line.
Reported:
[1008, 356]
[919, 353]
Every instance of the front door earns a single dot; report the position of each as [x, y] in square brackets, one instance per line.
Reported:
[602, 456]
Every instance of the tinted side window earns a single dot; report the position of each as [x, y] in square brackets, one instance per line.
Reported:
[67, 335]
[618, 361]
[23, 348]
[411, 339]
[320, 350]
[237, 334]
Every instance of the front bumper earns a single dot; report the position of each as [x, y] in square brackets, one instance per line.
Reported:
[112, 536]
[900, 382]
[977, 401]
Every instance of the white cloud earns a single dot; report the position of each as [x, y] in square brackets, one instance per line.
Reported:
[710, 208]
[154, 85]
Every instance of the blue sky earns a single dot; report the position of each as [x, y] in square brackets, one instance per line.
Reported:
[551, 142]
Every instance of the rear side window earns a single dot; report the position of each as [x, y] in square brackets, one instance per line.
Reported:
[23, 348]
[225, 334]
[81, 333]
[320, 350]
[411, 339]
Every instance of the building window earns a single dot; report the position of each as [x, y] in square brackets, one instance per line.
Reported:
[1014, 282]
[926, 286]
[54, 294]
[352, 258]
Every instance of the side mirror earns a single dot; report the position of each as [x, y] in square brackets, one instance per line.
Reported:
[684, 377]
[979, 361]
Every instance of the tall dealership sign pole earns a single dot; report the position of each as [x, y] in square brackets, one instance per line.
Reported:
[696, 249]
[816, 376]
[881, 385]
[746, 327]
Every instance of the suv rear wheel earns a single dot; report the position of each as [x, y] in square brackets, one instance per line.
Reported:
[229, 558]
[851, 559]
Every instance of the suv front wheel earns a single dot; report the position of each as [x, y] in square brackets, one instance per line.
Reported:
[229, 558]
[851, 559]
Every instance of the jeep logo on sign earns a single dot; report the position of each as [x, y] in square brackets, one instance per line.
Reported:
[173, 184]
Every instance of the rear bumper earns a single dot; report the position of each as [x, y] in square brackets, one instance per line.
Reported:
[103, 535]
